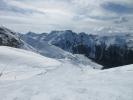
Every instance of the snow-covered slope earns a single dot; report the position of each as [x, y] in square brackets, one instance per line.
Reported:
[19, 61]
[29, 76]
[12, 60]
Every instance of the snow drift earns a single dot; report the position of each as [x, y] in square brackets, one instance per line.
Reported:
[29, 76]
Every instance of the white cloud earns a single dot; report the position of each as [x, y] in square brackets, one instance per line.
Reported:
[78, 15]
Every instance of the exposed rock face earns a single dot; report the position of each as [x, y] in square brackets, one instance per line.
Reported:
[12, 39]
[9, 38]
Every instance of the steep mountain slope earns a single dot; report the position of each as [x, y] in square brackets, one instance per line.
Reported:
[29, 76]
[43, 47]
[114, 50]
[66, 40]
[42, 43]
[12, 39]
[110, 50]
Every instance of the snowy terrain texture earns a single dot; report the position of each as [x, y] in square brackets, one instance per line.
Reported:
[28, 76]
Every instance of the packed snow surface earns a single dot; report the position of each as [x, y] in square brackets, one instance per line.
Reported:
[29, 76]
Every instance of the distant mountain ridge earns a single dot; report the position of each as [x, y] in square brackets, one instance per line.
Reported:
[110, 51]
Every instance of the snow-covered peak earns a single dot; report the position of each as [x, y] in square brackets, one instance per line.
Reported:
[31, 33]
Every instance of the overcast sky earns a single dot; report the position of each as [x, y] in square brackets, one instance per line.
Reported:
[77, 15]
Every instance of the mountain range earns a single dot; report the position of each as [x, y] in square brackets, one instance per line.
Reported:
[107, 50]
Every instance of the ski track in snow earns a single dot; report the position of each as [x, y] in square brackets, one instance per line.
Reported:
[25, 79]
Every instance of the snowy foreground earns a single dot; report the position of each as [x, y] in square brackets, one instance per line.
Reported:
[29, 76]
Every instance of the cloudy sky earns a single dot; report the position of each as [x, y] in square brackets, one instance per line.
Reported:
[77, 15]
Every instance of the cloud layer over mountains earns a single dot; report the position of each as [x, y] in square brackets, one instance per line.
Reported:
[78, 15]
